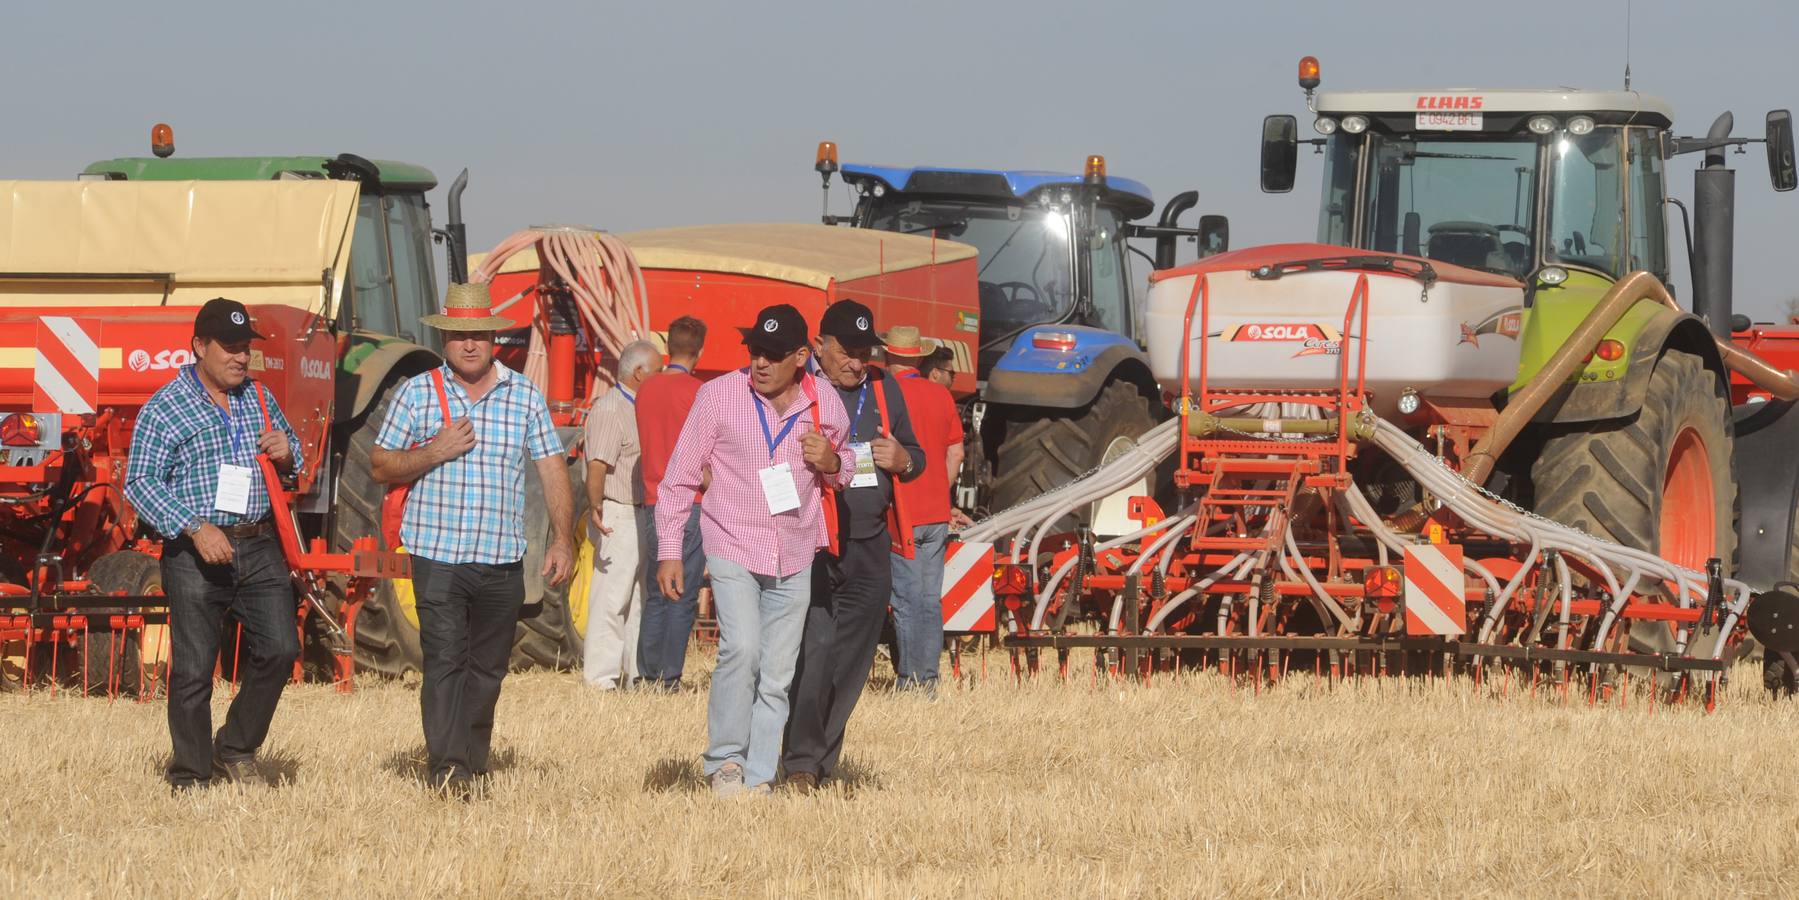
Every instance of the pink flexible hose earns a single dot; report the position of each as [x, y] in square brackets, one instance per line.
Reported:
[610, 294]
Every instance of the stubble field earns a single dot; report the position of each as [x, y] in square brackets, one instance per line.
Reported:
[1090, 788]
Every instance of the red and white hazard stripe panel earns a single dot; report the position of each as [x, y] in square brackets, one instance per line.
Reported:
[67, 376]
[1434, 600]
[968, 587]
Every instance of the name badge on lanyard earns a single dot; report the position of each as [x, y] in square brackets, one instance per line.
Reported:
[865, 476]
[778, 489]
[232, 492]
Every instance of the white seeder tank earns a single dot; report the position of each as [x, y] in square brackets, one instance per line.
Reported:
[1455, 336]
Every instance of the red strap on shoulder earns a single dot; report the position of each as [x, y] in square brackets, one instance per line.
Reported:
[267, 422]
[443, 397]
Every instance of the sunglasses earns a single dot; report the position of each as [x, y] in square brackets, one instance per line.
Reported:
[771, 355]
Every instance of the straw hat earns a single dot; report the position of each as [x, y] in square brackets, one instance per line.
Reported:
[467, 307]
[903, 340]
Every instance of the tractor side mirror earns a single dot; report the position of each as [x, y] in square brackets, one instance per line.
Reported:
[1280, 153]
[1781, 169]
[1214, 235]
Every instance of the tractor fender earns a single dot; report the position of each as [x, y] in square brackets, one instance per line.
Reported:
[1596, 401]
[357, 391]
[1767, 440]
[1068, 379]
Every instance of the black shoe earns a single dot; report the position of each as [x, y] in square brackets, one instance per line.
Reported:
[187, 788]
[455, 785]
[237, 771]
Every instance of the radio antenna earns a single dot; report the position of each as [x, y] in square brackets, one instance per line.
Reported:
[1627, 23]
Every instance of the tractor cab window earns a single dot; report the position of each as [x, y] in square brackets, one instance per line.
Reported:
[371, 270]
[409, 242]
[1586, 204]
[1648, 204]
[1025, 265]
[1462, 200]
[1336, 214]
[1106, 268]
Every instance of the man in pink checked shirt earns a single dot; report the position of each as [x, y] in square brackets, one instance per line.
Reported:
[773, 440]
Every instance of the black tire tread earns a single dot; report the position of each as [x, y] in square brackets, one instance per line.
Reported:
[1043, 453]
[1596, 477]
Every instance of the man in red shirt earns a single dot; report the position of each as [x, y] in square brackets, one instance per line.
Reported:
[918, 582]
[662, 405]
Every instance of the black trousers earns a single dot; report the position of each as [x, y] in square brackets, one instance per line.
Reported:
[467, 615]
[257, 589]
[843, 624]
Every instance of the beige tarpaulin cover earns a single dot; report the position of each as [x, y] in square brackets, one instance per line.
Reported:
[177, 243]
[812, 255]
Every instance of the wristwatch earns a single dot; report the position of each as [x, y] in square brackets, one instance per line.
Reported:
[192, 528]
[910, 465]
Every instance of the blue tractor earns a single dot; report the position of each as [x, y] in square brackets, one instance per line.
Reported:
[1064, 383]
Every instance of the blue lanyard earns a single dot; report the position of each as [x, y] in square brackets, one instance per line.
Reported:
[774, 440]
[628, 398]
[677, 367]
[226, 416]
[861, 398]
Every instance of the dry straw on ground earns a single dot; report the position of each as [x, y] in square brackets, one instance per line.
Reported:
[1049, 789]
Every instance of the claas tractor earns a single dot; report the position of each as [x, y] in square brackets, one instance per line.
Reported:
[1468, 425]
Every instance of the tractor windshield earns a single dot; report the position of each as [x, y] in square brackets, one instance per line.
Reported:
[1466, 200]
[1025, 270]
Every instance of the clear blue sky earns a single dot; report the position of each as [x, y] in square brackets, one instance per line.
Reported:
[632, 115]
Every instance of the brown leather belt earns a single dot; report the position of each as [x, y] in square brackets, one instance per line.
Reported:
[249, 530]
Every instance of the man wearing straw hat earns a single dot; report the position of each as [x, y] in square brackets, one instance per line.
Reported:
[464, 524]
[917, 582]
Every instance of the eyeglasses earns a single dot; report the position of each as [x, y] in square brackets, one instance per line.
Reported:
[773, 356]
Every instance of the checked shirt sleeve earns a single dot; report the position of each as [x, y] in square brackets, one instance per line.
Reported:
[398, 430]
[147, 473]
[540, 432]
[280, 420]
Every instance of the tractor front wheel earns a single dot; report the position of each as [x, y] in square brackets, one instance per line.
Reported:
[1044, 449]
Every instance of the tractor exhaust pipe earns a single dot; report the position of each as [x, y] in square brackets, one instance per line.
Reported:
[1177, 204]
[1714, 226]
[457, 249]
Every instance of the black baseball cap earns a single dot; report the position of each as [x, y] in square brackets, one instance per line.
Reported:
[779, 328]
[851, 323]
[225, 321]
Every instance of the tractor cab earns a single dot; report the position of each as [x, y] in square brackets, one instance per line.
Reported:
[1554, 187]
[1052, 245]
[391, 283]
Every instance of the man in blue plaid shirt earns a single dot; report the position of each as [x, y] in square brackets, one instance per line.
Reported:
[194, 479]
[464, 524]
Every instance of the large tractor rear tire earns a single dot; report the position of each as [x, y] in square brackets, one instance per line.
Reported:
[1662, 480]
[1042, 450]
[552, 637]
[387, 632]
[113, 657]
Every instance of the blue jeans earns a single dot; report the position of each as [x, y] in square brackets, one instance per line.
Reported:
[918, 608]
[667, 624]
[254, 586]
[760, 619]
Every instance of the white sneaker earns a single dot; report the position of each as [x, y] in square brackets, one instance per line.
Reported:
[727, 781]
[762, 790]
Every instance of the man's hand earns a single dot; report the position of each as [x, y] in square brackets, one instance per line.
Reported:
[274, 445]
[959, 520]
[816, 448]
[558, 563]
[599, 521]
[670, 578]
[212, 544]
[889, 454]
[452, 441]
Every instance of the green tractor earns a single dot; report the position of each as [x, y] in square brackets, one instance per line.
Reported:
[381, 343]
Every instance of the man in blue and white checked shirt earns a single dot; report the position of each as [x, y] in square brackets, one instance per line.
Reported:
[194, 479]
[464, 525]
